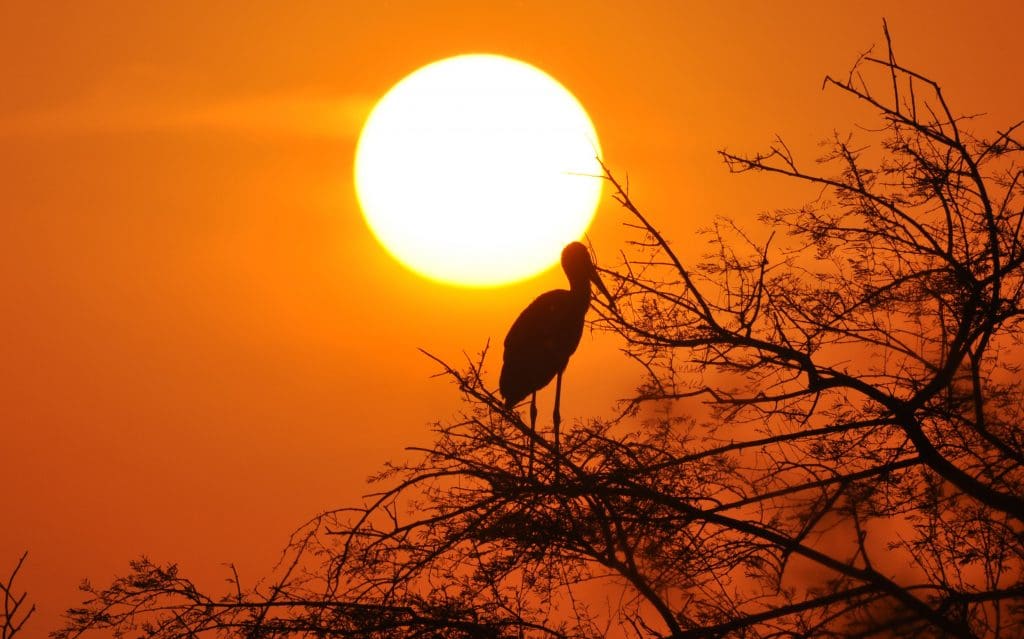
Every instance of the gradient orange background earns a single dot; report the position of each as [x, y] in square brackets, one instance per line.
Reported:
[201, 343]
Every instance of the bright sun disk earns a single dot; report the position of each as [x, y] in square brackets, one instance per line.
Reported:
[476, 170]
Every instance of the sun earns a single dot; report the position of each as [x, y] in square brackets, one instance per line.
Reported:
[477, 170]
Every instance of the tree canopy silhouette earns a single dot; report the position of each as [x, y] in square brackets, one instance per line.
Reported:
[826, 442]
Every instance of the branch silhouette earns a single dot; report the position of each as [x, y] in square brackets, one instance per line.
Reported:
[14, 616]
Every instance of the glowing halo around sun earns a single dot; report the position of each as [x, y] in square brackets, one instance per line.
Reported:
[477, 170]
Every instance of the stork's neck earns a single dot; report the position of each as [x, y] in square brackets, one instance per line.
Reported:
[579, 286]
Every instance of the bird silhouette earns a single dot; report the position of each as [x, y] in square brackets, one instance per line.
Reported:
[545, 335]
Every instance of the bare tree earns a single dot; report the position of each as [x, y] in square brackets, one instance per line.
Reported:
[826, 443]
[13, 617]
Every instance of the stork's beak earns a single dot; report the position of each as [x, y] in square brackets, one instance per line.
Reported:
[596, 279]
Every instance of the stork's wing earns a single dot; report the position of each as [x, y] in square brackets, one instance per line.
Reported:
[539, 343]
[544, 325]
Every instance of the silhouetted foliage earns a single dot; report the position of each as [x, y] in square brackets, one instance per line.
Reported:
[826, 444]
[14, 615]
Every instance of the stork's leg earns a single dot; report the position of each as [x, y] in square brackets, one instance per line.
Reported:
[557, 418]
[533, 428]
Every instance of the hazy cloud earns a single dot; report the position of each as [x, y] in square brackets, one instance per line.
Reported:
[133, 106]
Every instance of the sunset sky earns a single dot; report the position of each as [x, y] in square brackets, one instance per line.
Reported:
[203, 345]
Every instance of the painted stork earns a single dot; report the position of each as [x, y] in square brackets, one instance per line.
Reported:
[545, 335]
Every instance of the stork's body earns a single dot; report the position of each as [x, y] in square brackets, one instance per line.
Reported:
[540, 342]
[545, 335]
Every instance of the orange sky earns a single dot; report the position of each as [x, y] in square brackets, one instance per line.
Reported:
[203, 345]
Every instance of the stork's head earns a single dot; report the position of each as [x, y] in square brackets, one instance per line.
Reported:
[580, 270]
